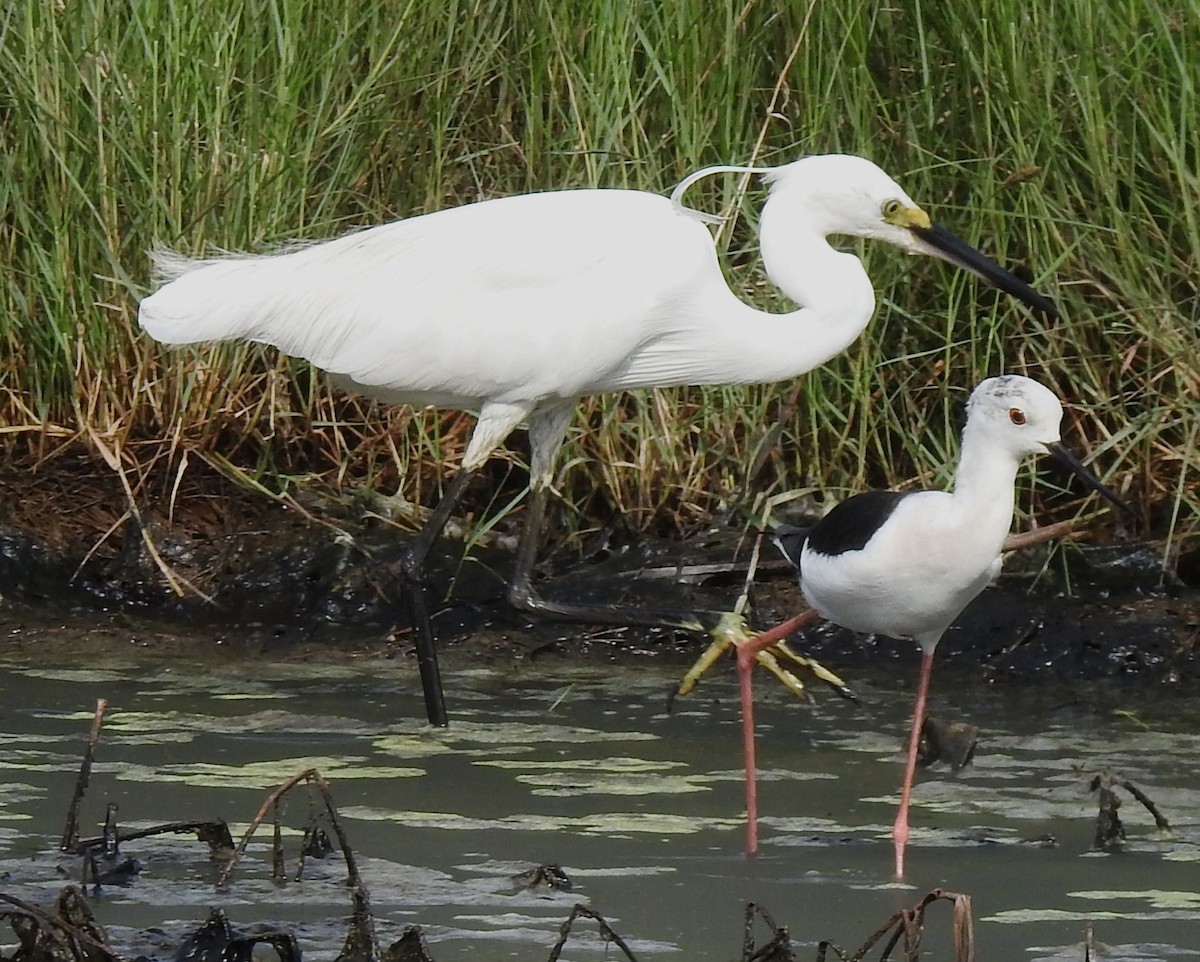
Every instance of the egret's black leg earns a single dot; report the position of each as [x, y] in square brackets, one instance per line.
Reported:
[413, 572]
[523, 597]
[520, 589]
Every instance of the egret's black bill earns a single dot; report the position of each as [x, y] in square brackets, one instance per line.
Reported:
[1063, 456]
[958, 252]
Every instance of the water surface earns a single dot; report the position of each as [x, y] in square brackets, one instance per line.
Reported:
[585, 768]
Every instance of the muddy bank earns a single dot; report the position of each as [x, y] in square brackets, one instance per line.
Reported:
[317, 581]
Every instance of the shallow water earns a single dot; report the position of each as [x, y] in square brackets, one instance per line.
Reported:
[583, 767]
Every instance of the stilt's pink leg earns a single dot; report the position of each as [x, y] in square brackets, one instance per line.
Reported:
[773, 636]
[900, 828]
[745, 668]
[747, 654]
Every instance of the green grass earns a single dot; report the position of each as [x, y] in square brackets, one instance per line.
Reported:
[1060, 136]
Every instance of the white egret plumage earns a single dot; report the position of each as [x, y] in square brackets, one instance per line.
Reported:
[517, 307]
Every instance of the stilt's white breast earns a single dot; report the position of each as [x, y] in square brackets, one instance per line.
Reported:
[919, 568]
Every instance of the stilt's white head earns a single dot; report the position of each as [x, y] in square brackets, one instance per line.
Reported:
[1016, 413]
[1022, 416]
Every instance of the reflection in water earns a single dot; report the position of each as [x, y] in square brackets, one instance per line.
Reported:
[583, 768]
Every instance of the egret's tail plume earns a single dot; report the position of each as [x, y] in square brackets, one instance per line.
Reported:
[167, 265]
[199, 299]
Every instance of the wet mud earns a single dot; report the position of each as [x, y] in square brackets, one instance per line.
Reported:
[290, 580]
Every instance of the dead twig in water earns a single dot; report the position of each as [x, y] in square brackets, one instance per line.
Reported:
[606, 933]
[360, 944]
[778, 949]
[70, 932]
[312, 777]
[410, 947]
[1110, 833]
[909, 924]
[70, 835]
[213, 832]
[216, 939]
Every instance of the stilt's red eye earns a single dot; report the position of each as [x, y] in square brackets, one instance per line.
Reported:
[1016, 415]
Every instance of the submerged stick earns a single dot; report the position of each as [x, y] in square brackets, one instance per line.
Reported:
[79, 935]
[779, 945]
[360, 944]
[1110, 833]
[213, 832]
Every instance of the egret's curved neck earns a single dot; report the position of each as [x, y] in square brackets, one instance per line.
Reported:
[832, 287]
[716, 338]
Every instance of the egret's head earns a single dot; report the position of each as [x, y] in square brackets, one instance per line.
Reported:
[844, 194]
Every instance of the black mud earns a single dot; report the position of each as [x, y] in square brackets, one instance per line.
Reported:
[290, 581]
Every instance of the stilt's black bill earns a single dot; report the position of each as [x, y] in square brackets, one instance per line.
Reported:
[1063, 456]
[958, 252]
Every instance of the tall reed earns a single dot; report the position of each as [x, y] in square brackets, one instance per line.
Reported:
[1061, 136]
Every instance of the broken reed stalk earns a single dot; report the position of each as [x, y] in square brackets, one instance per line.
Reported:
[277, 869]
[360, 944]
[909, 925]
[360, 941]
[1110, 833]
[313, 777]
[1160, 820]
[78, 936]
[70, 835]
[777, 948]
[606, 932]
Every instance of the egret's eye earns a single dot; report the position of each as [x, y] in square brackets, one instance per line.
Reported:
[891, 208]
[1016, 415]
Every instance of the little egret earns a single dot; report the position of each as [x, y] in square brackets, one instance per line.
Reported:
[517, 307]
[905, 564]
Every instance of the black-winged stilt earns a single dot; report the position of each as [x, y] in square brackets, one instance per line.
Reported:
[905, 564]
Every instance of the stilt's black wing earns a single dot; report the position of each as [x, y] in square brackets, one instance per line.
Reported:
[850, 525]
